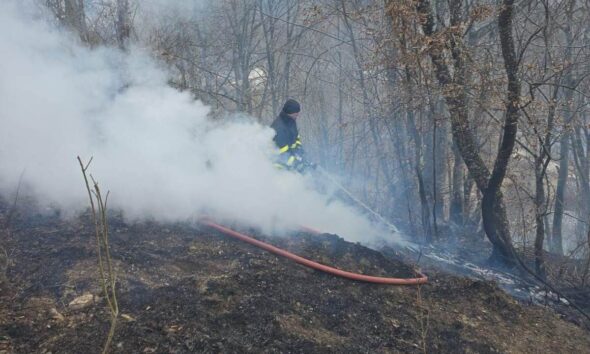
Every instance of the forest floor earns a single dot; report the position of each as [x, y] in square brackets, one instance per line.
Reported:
[185, 289]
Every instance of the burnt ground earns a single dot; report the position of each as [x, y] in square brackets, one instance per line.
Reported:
[184, 289]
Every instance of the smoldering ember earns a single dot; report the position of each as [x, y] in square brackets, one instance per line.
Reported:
[340, 176]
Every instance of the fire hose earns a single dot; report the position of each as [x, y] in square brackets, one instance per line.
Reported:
[421, 279]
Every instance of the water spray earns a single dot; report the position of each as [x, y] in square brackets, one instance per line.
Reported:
[356, 200]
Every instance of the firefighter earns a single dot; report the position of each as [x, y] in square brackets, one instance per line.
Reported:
[287, 139]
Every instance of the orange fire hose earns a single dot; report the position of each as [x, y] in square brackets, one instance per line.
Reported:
[421, 279]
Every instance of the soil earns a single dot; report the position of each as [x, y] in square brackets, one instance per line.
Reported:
[185, 289]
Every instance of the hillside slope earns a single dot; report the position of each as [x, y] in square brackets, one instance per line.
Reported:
[184, 289]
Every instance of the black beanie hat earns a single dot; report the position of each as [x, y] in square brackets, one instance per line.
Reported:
[291, 106]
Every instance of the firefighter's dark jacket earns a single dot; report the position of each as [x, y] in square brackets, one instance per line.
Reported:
[288, 141]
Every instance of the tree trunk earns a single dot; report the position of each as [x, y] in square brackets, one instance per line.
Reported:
[441, 143]
[539, 213]
[556, 244]
[494, 216]
[456, 212]
[493, 209]
[556, 239]
[425, 209]
[399, 141]
[122, 26]
[582, 167]
[75, 17]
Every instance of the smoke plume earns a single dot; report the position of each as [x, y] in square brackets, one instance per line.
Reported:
[154, 147]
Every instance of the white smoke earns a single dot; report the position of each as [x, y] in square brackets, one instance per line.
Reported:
[154, 147]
